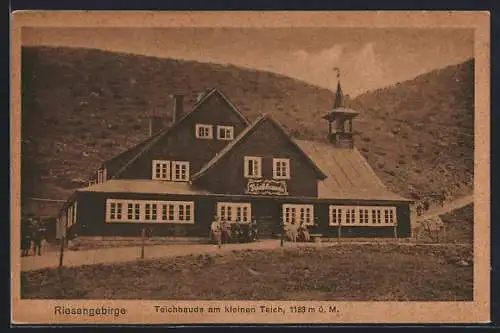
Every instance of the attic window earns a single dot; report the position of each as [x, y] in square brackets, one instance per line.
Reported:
[225, 132]
[252, 168]
[204, 131]
[281, 168]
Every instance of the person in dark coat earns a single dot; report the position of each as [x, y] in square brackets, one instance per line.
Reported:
[254, 228]
[37, 236]
[25, 236]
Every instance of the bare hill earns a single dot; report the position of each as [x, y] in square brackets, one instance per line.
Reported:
[83, 106]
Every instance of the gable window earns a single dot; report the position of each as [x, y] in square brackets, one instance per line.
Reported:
[281, 168]
[161, 170]
[253, 167]
[204, 131]
[180, 171]
[225, 132]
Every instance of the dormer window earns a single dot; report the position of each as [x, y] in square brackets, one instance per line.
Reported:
[281, 168]
[180, 171]
[204, 131]
[161, 170]
[171, 170]
[253, 167]
[225, 132]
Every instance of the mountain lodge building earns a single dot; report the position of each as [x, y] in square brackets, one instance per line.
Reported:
[212, 161]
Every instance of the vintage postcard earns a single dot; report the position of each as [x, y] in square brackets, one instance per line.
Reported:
[250, 167]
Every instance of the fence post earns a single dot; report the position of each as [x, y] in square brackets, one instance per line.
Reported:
[282, 235]
[61, 252]
[143, 236]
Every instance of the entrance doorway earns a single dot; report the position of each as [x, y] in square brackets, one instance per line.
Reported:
[268, 216]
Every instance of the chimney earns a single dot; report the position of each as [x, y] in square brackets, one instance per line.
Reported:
[178, 107]
[155, 125]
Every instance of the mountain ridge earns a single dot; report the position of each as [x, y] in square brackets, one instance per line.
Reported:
[95, 104]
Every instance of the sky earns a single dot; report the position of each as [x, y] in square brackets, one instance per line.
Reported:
[368, 58]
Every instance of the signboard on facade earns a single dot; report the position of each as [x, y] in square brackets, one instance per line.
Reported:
[266, 186]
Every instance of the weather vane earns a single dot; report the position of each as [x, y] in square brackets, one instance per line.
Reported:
[337, 70]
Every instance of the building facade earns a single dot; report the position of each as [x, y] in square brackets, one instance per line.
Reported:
[213, 162]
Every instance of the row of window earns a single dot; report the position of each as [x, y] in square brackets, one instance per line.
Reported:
[363, 216]
[253, 167]
[179, 170]
[183, 212]
[204, 131]
[149, 211]
[171, 170]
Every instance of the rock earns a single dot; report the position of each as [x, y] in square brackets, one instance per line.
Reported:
[251, 271]
[463, 263]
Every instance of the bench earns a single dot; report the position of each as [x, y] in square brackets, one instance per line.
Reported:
[316, 238]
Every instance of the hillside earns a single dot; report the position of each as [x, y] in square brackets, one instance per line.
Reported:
[83, 106]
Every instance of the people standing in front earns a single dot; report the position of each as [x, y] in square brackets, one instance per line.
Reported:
[26, 235]
[292, 228]
[37, 236]
[226, 231]
[215, 230]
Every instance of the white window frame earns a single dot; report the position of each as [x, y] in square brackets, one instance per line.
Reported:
[207, 127]
[229, 211]
[335, 215]
[293, 212]
[164, 173]
[176, 211]
[71, 214]
[369, 216]
[280, 165]
[255, 171]
[180, 164]
[228, 132]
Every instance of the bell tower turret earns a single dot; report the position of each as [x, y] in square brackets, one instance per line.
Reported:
[340, 121]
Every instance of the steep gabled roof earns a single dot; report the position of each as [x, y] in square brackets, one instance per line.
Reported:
[242, 137]
[132, 150]
[350, 176]
[166, 131]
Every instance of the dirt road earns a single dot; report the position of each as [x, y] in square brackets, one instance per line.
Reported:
[448, 207]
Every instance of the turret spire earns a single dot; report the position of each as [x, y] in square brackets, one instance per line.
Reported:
[339, 96]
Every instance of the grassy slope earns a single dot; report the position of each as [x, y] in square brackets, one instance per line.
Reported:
[83, 106]
[459, 225]
[347, 272]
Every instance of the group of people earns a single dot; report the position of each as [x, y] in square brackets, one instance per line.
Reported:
[423, 205]
[32, 235]
[296, 232]
[223, 231]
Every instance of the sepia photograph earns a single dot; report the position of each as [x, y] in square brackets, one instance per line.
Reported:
[280, 170]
